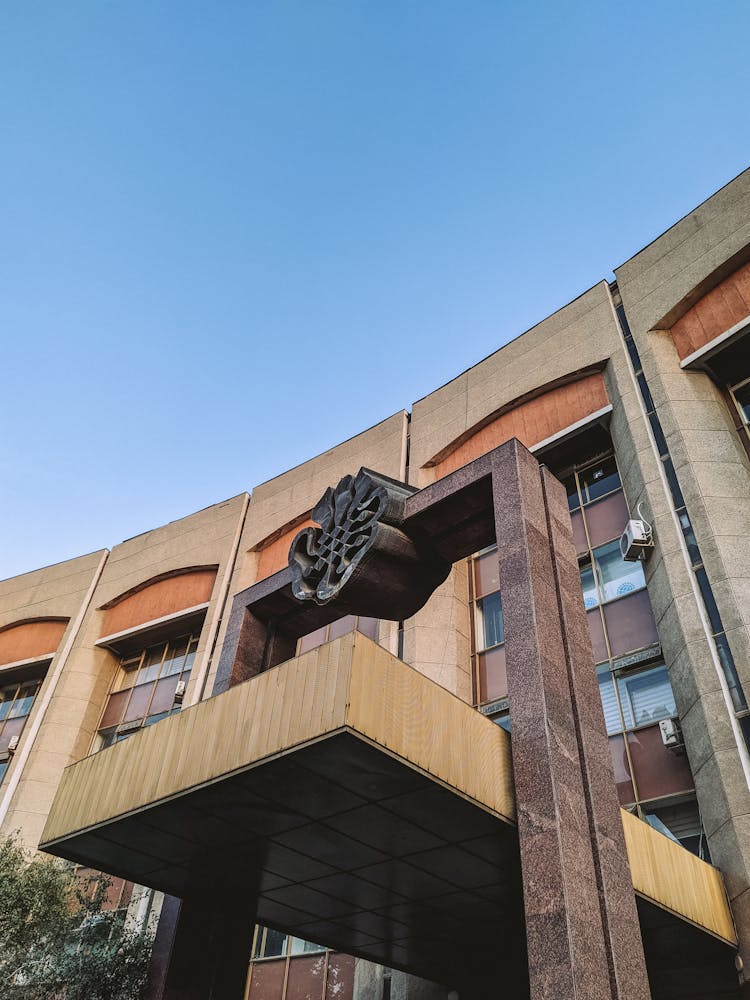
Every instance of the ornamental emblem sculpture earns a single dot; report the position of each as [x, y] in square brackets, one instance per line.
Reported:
[360, 555]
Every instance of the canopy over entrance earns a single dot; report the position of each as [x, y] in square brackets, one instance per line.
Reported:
[365, 807]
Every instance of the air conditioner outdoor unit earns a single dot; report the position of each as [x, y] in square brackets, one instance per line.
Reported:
[671, 735]
[637, 540]
[179, 692]
[6, 754]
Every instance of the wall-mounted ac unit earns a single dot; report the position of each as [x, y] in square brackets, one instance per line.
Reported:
[636, 540]
[179, 692]
[6, 754]
[671, 735]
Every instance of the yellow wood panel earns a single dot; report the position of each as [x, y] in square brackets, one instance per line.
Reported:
[672, 877]
[401, 710]
[288, 705]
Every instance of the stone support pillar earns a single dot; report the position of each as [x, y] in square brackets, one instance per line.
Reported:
[582, 927]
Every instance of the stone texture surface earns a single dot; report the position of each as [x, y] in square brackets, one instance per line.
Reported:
[73, 713]
[658, 286]
[437, 639]
[580, 334]
[30, 783]
[582, 928]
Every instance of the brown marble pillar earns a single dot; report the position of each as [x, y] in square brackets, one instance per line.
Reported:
[577, 949]
[617, 899]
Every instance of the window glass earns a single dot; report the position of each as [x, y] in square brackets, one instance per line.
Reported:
[16, 701]
[155, 718]
[492, 675]
[299, 947]
[588, 586]
[617, 577]
[612, 718]
[24, 701]
[646, 697]
[490, 614]
[487, 574]
[151, 664]
[342, 626]
[144, 690]
[681, 822]
[571, 488]
[273, 943]
[742, 395]
[599, 479]
[174, 659]
[502, 720]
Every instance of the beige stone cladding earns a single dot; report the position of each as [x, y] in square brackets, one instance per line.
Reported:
[580, 336]
[49, 738]
[279, 506]
[658, 286]
[207, 538]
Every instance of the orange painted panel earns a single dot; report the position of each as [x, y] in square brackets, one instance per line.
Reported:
[721, 309]
[532, 421]
[156, 600]
[27, 640]
[274, 556]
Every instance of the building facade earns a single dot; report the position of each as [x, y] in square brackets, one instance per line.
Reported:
[636, 395]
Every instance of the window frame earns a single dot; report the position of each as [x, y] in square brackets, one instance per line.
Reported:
[131, 664]
[25, 677]
[260, 937]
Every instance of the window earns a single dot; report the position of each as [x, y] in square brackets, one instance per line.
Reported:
[607, 576]
[16, 702]
[634, 685]
[273, 944]
[650, 778]
[490, 681]
[145, 689]
[740, 394]
[635, 699]
[598, 480]
[614, 591]
[490, 621]
[289, 968]
[349, 623]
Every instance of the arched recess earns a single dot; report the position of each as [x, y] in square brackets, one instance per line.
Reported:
[274, 550]
[158, 597]
[534, 418]
[31, 639]
[716, 313]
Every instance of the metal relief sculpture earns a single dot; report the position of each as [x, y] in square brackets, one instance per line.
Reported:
[359, 546]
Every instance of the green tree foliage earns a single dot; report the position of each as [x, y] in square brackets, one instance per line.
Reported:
[58, 941]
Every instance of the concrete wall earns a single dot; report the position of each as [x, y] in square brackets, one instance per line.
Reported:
[658, 286]
[50, 734]
[79, 589]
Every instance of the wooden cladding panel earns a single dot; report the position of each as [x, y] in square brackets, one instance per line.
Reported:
[29, 640]
[665, 873]
[274, 556]
[398, 708]
[159, 599]
[718, 311]
[348, 683]
[531, 422]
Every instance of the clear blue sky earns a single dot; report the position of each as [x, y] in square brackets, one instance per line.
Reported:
[235, 233]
